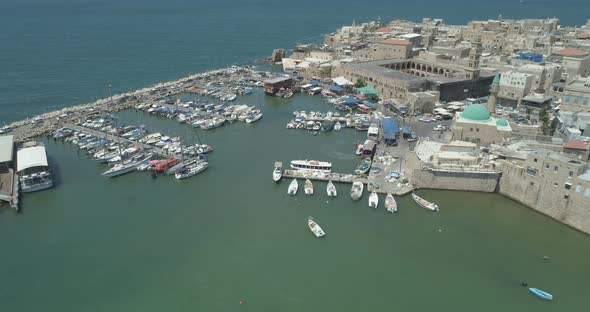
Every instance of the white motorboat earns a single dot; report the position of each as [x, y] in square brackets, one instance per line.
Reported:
[331, 189]
[126, 166]
[191, 170]
[308, 187]
[254, 117]
[337, 126]
[373, 200]
[424, 203]
[315, 228]
[390, 203]
[293, 187]
[277, 174]
[356, 192]
[311, 165]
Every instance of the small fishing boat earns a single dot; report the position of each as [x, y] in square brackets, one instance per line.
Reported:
[315, 228]
[288, 94]
[293, 187]
[390, 203]
[337, 126]
[364, 166]
[254, 117]
[331, 189]
[356, 192]
[424, 203]
[277, 174]
[541, 294]
[373, 200]
[308, 187]
[359, 148]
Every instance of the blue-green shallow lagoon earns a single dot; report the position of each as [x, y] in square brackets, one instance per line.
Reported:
[136, 244]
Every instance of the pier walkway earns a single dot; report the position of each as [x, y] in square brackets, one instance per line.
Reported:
[156, 150]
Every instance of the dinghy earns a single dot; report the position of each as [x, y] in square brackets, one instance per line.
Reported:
[315, 228]
[424, 203]
[356, 192]
[293, 187]
[277, 174]
[541, 294]
[308, 187]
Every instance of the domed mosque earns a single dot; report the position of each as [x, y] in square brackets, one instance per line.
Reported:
[476, 124]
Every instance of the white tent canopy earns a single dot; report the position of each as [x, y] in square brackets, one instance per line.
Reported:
[341, 81]
[31, 157]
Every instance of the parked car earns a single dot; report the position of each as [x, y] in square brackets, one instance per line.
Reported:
[439, 128]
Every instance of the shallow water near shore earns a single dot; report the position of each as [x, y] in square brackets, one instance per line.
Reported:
[135, 243]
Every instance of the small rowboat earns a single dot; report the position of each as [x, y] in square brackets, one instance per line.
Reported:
[541, 294]
[331, 189]
[293, 186]
[424, 203]
[390, 203]
[308, 187]
[373, 200]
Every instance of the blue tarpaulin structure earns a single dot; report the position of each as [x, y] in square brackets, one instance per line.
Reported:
[535, 57]
[351, 100]
[390, 130]
[335, 88]
[370, 104]
[314, 82]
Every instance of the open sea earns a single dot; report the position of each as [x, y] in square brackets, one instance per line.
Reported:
[230, 234]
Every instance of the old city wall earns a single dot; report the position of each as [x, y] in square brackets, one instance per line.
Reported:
[455, 180]
[552, 198]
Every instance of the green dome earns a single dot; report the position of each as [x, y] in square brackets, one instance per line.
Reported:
[476, 112]
[502, 122]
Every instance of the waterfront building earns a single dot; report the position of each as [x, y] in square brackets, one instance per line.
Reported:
[272, 86]
[475, 124]
[6, 167]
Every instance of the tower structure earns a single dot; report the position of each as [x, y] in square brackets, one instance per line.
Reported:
[474, 59]
[493, 98]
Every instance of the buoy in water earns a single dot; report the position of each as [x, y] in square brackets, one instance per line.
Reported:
[241, 302]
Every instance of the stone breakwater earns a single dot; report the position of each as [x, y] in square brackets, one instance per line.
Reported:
[24, 130]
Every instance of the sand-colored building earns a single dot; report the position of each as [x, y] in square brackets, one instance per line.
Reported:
[475, 124]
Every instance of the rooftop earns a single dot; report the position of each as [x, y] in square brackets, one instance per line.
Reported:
[569, 52]
[31, 157]
[579, 145]
[6, 148]
[403, 42]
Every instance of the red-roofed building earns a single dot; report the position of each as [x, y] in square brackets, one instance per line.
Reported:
[576, 147]
[584, 36]
[383, 30]
[570, 52]
[400, 42]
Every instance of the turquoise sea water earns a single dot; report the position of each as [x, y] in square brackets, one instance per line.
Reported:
[230, 233]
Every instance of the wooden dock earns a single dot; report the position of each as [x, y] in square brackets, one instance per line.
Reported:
[321, 176]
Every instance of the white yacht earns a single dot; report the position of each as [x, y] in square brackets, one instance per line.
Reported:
[311, 165]
[254, 117]
[127, 166]
[315, 228]
[191, 170]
